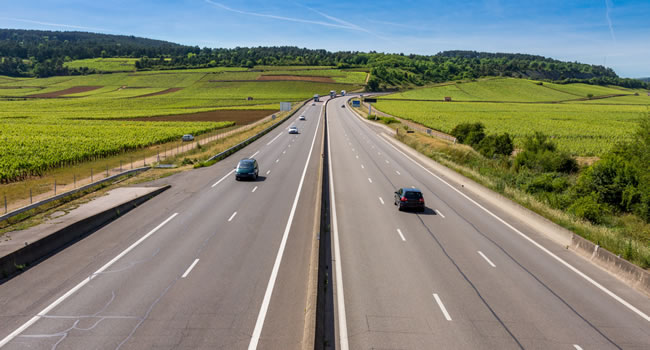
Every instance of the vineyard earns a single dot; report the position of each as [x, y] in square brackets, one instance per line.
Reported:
[583, 128]
[40, 134]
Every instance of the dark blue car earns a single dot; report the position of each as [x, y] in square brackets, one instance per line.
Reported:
[246, 169]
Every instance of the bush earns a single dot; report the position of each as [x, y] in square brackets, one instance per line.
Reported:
[496, 145]
[462, 133]
[540, 155]
[588, 208]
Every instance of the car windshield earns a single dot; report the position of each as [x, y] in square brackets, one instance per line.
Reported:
[413, 195]
[245, 164]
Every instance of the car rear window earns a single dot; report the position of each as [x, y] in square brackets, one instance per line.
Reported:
[245, 164]
[413, 195]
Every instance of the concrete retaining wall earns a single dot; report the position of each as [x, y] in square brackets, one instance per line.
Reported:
[35, 252]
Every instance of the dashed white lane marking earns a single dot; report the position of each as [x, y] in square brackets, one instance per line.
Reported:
[378, 153]
[254, 189]
[285, 151]
[65, 296]
[357, 157]
[401, 235]
[254, 154]
[577, 347]
[268, 172]
[398, 173]
[412, 186]
[223, 178]
[370, 180]
[187, 272]
[353, 150]
[387, 162]
[288, 145]
[442, 307]
[486, 258]
[277, 160]
[275, 138]
[362, 167]
[381, 200]
[439, 213]
[232, 216]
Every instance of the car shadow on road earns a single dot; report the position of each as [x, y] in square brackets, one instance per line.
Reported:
[260, 178]
[427, 211]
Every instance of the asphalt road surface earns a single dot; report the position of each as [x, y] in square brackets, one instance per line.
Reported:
[455, 276]
[212, 263]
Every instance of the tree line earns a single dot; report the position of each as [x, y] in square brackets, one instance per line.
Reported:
[43, 53]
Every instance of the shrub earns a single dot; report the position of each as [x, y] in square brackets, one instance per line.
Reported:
[462, 132]
[540, 155]
[493, 145]
[589, 208]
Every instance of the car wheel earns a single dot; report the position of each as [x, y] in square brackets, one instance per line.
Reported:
[399, 207]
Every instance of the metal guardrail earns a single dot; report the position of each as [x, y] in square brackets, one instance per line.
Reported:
[70, 193]
[246, 142]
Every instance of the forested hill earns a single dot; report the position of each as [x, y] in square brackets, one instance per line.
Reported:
[43, 53]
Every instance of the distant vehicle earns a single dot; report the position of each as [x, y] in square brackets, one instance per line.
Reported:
[332, 94]
[342, 92]
[293, 129]
[316, 98]
[246, 169]
[313, 103]
[188, 137]
[409, 198]
[302, 117]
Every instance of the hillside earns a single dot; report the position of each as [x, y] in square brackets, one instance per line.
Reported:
[48, 53]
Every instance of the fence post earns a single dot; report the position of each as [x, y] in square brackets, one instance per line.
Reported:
[5, 204]
[55, 187]
[131, 162]
[158, 155]
[74, 180]
[107, 171]
[91, 175]
[30, 195]
[120, 165]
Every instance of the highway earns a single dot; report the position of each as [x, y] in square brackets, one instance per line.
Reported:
[212, 263]
[461, 275]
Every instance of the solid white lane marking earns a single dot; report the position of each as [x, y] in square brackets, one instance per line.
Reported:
[486, 258]
[370, 180]
[254, 189]
[401, 235]
[340, 298]
[223, 178]
[65, 296]
[577, 347]
[187, 272]
[268, 172]
[398, 173]
[254, 154]
[439, 213]
[232, 216]
[259, 324]
[521, 234]
[381, 200]
[442, 307]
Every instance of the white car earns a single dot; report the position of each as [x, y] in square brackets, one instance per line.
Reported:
[302, 117]
[293, 129]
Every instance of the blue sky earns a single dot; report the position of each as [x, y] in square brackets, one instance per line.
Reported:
[610, 32]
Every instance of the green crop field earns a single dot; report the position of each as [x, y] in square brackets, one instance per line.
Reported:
[37, 134]
[583, 128]
[104, 64]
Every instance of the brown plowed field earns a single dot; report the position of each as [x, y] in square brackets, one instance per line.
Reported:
[241, 117]
[72, 90]
[296, 78]
[168, 91]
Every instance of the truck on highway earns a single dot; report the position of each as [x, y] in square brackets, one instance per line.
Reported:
[342, 92]
[332, 93]
[316, 98]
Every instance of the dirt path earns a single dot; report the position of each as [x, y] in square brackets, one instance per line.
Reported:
[72, 90]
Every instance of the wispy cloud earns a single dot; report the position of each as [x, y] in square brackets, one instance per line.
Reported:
[49, 24]
[283, 18]
[609, 20]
